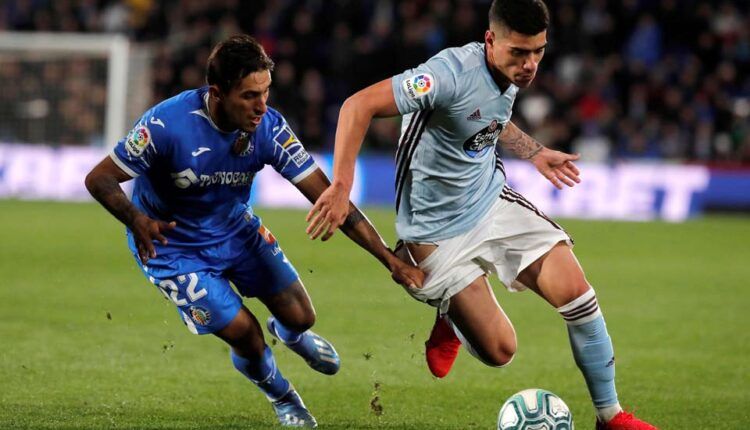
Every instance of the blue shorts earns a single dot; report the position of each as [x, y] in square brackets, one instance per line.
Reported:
[197, 280]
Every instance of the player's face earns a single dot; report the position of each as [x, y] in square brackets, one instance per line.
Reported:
[515, 55]
[245, 104]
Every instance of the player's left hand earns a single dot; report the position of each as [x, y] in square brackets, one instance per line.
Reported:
[328, 212]
[557, 167]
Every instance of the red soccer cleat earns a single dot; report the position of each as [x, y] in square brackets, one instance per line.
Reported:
[441, 348]
[624, 421]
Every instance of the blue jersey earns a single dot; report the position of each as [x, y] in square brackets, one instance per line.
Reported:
[186, 171]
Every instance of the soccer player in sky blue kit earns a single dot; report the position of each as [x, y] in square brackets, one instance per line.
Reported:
[191, 231]
[455, 213]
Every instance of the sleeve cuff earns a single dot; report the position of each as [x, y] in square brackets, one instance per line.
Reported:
[396, 82]
[307, 172]
[122, 165]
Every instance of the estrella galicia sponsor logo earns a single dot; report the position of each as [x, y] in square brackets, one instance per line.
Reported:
[477, 145]
[201, 316]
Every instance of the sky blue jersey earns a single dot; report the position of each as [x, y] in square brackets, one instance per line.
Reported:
[186, 171]
[448, 174]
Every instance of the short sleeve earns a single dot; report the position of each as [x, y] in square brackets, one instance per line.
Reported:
[288, 156]
[137, 151]
[426, 87]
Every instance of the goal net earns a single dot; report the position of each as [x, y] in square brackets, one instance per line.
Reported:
[70, 89]
[65, 100]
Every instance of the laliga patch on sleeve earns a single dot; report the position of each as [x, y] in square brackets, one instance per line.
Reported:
[138, 140]
[418, 85]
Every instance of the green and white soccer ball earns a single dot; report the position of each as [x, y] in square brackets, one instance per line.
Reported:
[534, 409]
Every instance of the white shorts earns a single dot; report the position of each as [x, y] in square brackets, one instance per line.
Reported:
[511, 236]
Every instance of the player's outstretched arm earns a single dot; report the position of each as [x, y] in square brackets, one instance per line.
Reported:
[355, 116]
[103, 182]
[556, 166]
[362, 232]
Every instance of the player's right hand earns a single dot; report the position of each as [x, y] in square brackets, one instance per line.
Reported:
[145, 231]
[407, 275]
[328, 212]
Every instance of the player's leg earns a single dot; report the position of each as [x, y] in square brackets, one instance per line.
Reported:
[254, 359]
[265, 272]
[293, 315]
[292, 309]
[468, 312]
[559, 279]
[481, 324]
[251, 356]
[208, 305]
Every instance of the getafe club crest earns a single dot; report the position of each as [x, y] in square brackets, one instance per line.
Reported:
[200, 315]
[243, 145]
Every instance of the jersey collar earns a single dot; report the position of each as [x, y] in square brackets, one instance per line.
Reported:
[203, 111]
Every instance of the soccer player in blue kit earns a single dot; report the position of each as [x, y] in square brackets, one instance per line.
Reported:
[456, 215]
[192, 232]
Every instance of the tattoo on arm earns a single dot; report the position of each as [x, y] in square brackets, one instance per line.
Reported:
[107, 191]
[354, 217]
[363, 233]
[518, 142]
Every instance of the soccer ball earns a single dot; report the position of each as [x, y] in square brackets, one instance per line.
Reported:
[534, 409]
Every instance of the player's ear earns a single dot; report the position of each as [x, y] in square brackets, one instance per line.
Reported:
[489, 37]
[214, 92]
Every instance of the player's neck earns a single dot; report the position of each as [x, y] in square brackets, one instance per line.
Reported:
[215, 112]
[500, 79]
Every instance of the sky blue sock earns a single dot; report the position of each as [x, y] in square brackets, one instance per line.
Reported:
[285, 334]
[263, 373]
[592, 347]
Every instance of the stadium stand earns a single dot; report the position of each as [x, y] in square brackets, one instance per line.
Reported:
[629, 79]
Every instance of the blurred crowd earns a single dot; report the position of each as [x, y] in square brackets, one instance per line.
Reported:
[55, 101]
[645, 79]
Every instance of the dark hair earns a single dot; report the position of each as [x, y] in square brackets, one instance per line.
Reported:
[233, 59]
[527, 17]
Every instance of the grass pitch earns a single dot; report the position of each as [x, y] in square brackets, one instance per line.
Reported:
[87, 343]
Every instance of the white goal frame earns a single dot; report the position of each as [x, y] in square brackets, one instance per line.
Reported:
[115, 46]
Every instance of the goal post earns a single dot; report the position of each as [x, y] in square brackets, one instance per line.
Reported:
[108, 54]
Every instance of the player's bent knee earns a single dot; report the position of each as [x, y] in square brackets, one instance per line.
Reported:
[498, 355]
[299, 322]
[498, 358]
[306, 322]
[505, 353]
